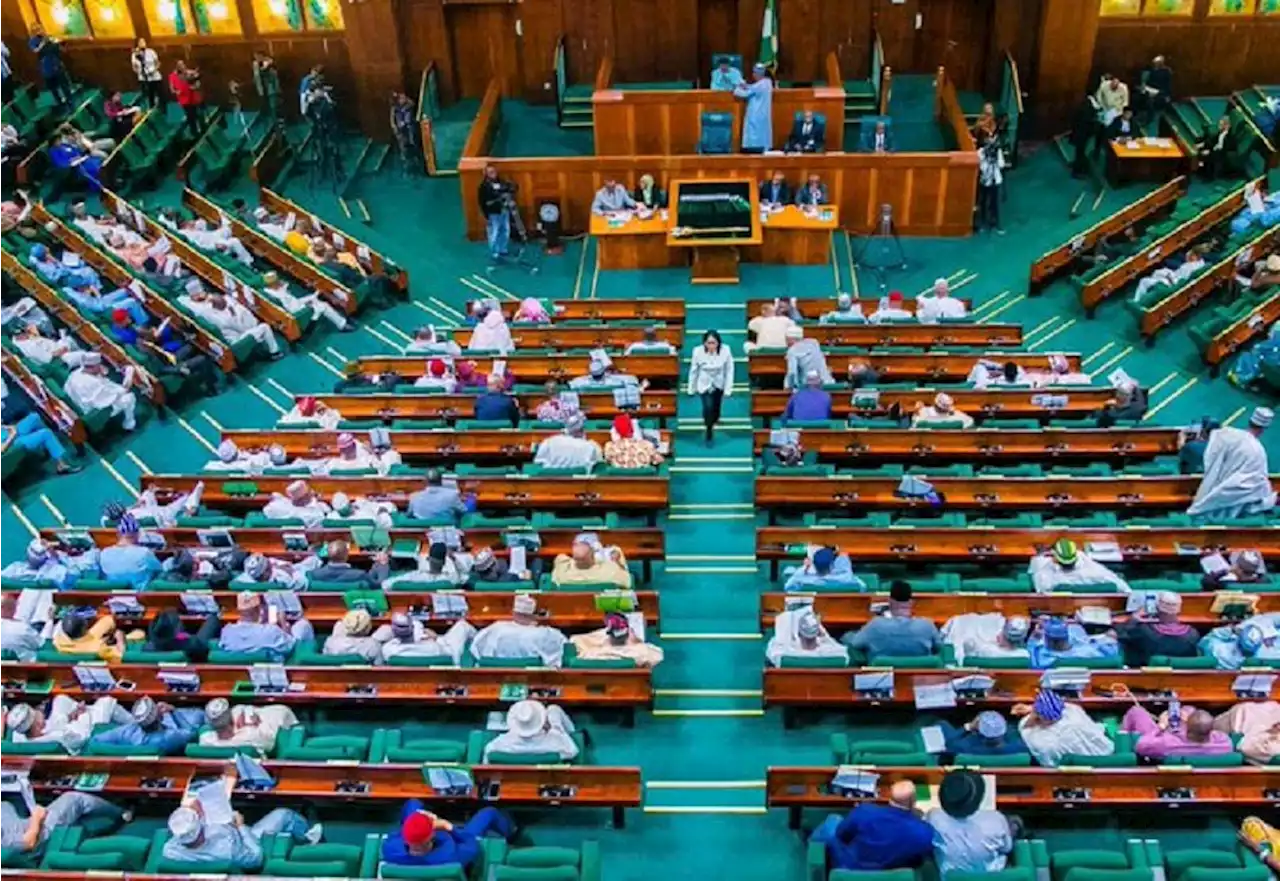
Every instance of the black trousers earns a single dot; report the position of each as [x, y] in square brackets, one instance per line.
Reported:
[152, 92]
[192, 112]
[989, 207]
[711, 408]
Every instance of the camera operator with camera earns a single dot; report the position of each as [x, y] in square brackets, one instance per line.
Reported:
[497, 200]
[990, 179]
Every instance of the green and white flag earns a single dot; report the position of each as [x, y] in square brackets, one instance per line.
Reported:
[769, 35]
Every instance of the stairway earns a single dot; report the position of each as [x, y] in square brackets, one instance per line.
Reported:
[576, 112]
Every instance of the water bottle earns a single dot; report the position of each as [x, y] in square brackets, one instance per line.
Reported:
[1175, 713]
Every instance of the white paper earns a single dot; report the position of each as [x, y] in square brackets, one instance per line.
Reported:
[18, 784]
[180, 679]
[519, 559]
[934, 740]
[199, 603]
[1213, 563]
[215, 802]
[362, 251]
[934, 696]
[339, 242]
[1094, 615]
[1104, 551]
[448, 604]
[269, 676]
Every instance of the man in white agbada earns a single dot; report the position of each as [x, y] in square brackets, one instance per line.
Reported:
[990, 635]
[891, 308]
[88, 224]
[410, 638]
[259, 569]
[1171, 278]
[438, 374]
[799, 633]
[277, 289]
[769, 328]
[17, 636]
[352, 456]
[355, 635]
[89, 388]
[298, 503]
[166, 516]
[44, 563]
[439, 566]
[943, 410]
[361, 509]
[533, 728]
[68, 723]
[569, 449]
[218, 239]
[521, 637]
[1066, 564]
[243, 725]
[308, 409]
[273, 225]
[803, 356]
[1053, 729]
[230, 319]
[492, 334]
[231, 458]
[847, 311]
[43, 350]
[1237, 480]
[932, 309]
[426, 341]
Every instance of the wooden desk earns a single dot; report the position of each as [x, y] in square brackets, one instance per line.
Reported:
[1003, 546]
[597, 786]
[660, 370]
[1012, 403]
[796, 237]
[442, 446]
[658, 405]
[715, 254]
[659, 311]
[1011, 446]
[1248, 327]
[634, 243]
[813, 308]
[919, 367]
[915, 334]
[273, 201]
[1143, 159]
[1070, 495]
[638, 494]
[54, 409]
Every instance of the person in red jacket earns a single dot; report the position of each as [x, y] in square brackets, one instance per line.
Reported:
[184, 82]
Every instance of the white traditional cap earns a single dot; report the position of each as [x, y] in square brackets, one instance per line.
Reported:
[296, 490]
[524, 604]
[943, 401]
[20, 718]
[1262, 417]
[341, 501]
[193, 286]
[808, 626]
[91, 359]
[218, 712]
[227, 451]
[526, 718]
[277, 455]
[185, 825]
[145, 711]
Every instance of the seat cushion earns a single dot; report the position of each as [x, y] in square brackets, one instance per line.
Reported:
[540, 857]
[447, 872]
[535, 873]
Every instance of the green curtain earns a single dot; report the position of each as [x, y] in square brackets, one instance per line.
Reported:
[77, 23]
[319, 14]
[201, 13]
[179, 18]
[293, 14]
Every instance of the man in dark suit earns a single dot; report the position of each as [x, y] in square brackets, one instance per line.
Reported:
[879, 140]
[814, 192]
[337, 569]
[1123, 127]
[1084, 135]
[1216, 148]
[808, 135]
[775, 191]
[1157, 86]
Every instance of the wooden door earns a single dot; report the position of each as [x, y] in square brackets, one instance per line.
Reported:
[486, 46]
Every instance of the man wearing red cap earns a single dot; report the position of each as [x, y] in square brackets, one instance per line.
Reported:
[627, 448]
[424, 839]
[308, 409]
[891, 308]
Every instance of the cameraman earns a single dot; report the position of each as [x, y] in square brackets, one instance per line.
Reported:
[990, 179]
[495, 201]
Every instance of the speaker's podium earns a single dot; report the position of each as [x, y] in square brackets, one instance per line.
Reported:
[715, 218]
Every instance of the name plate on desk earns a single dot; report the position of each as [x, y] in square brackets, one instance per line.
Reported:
[557, 791]
[1254, 686]
[876, 686]
[1067, 682]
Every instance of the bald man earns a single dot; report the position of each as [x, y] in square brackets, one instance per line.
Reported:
[879, 837]
[1159, 739]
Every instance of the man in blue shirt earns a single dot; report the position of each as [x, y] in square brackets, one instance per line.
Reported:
[424, 839]
[986, 735]
[495, 405]
[825, 568]
[878, 837]
[254, 633]
[898, 633]
[436, 501]
[809, 404]
[126, 560]
[156, 727]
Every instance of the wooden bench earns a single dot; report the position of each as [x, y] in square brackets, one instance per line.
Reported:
[659, 311]
[1230, 340]
[660, 370]
[658, 405]
[57, 412]
[917, 367]
[978, 403]
[877, 446]
[558, 336]
[338, 238]
[813, 308]
[922, 336]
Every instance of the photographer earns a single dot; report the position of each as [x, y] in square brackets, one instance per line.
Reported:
[990, 179]
[405, 128]
[184, 82]
[496, 199]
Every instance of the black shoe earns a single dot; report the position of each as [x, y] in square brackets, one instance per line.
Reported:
[69, 468]
[349, 327]
[277, 356]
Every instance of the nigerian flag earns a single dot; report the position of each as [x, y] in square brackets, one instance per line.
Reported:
[769, 35]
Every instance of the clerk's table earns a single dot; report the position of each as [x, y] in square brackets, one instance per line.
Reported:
[1158, 159]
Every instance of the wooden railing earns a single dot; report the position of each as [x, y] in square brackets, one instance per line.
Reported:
[425, 122]
[270, 159]
[1249, 326]
[58, 412]
[949, 113]
[604, 74]
[832, 67]
[486, 124]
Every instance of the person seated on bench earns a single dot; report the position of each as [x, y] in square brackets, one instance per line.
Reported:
[492, 334]
[725, 77]
[1065, 564]
[1058, 641]
[775, 192]
[424, 839]
[612, 198]
[897, 632]
[1059, 373]
[876, 837]
[440, 567]
[426, 341]
[46, 562]
[1237, 477]
[17, 637]
[30, 835]
[649, 344]
[967, 838]
[308, 409]
[66, 721]
[813, 193]
[1053, 729]
[628, 448]
[1215, 147]
[258, 631]
[881, 140]
[534, 728]
[571, 449]
[987, 635]
[206, 238]
[278, 289]
[601, 373]
[649, 195]
[1259, 275]
[769, 329]
[808, 135]
[1190, 734]
[1129, 405]
[354, 634]
[521, 637]
[1164, 634]
[147, 505]
[229, 318]
[337, 569]
[96, 228]
[496, 403]
[804, 356]
[43, 350]
[154, 726]
[299, 502]
[987, 373]
[1123, 127]
[824, 567]
[410, 638]
[616, 641]
[809, 404]
[231, 458]
[932, 309]
[352, 456]
[168, 633]
[71, 150]
[1243, 567]
[260, 569]
[890, 308]
[92, 299]
[987, 734]
[193, 839]
[1112, 98]
[67, 271]
[1258, 724]
[943, 410]
[847, 311]
[1193, 265]
[74, 635]
[360, 508]
[435, 500]
[591, 563]
[244, 725]
[798, 633]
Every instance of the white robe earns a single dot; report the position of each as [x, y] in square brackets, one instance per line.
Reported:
[930, 415]
[368, 647]
[319, 307]
[565, 451]
[556, 739]
[90, 392]
[43, 350]
[73, 734]
[328, 418]
[254, 726]
[786, 642]
[1047, 575]
[977, 635]
[1074, 734]
[888, 313]
[496, 338]
[507, 639]
[426, 644]
[236, 322]
[20, 639]
[447, 384]
[930, 310]
[362, 460]
[312, 514]
[1236, 480]
[248, 463]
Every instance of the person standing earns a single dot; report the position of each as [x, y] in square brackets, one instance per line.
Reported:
[49, 51]
[405, 129]
[497, 219]
[266, 82]
[184, 82]
[757, 122]
[146, 67]
[990, 178]
[711, 378]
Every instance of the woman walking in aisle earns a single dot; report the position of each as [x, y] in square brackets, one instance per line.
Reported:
[711, 377]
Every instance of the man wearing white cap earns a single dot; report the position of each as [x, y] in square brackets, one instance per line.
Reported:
[521, 637]
[277, 289]
[569, 449]
[804, 356]
[428, 341]
[361, 509]
[410, 638]
[620, 639]
[44, 350]
[66, 722]
[261, 569]
[943, 410]
[932, 309]
[297, 503]
[90, 389]
[354, 634]
[352, 456]
[154, 727]
[259, 629]
[534, 728]
[235, 322]
[757, 118]
[45, 563]
[28, 835]
[847, 311]
[193, 839]
[1242, 567]
[769, 328]
[589, 564]
[600, 374]
[978, 636]
[798, 633]
[1237, 479]
[244, 725]
[166, 515]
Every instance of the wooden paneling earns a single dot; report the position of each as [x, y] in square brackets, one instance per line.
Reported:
[656, 40]
[931, 193]
[717, 32]
[588, 29]
[954, 35]
[485, 47]
[374, 47]
[425, 37]
[800, 40]
[846, 30]
[896, 24]
[540, 24]
[1064, 56]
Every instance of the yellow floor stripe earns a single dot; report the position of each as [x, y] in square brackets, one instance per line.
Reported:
[962, 282]
[1041, 326]
[22, 518]
[582, 264]
[1005, 308]
[707, 692]
[397, 331]
[399, 349]
[689, 809]
[994, 301]
[53, 509]
[595, 276]
[1111, 362]
[448, 322]
[1234, 416]
[1161, 384]
[499, 288]
[1177, 393]
[263, 395]
[447, 309]
[281, 389]
[197, 435]
[705, 784]
[1053, 333]
[120, 477]
[326, 365]
[142, 466]
[214, 422]
[708, 714]
[1097, 354]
